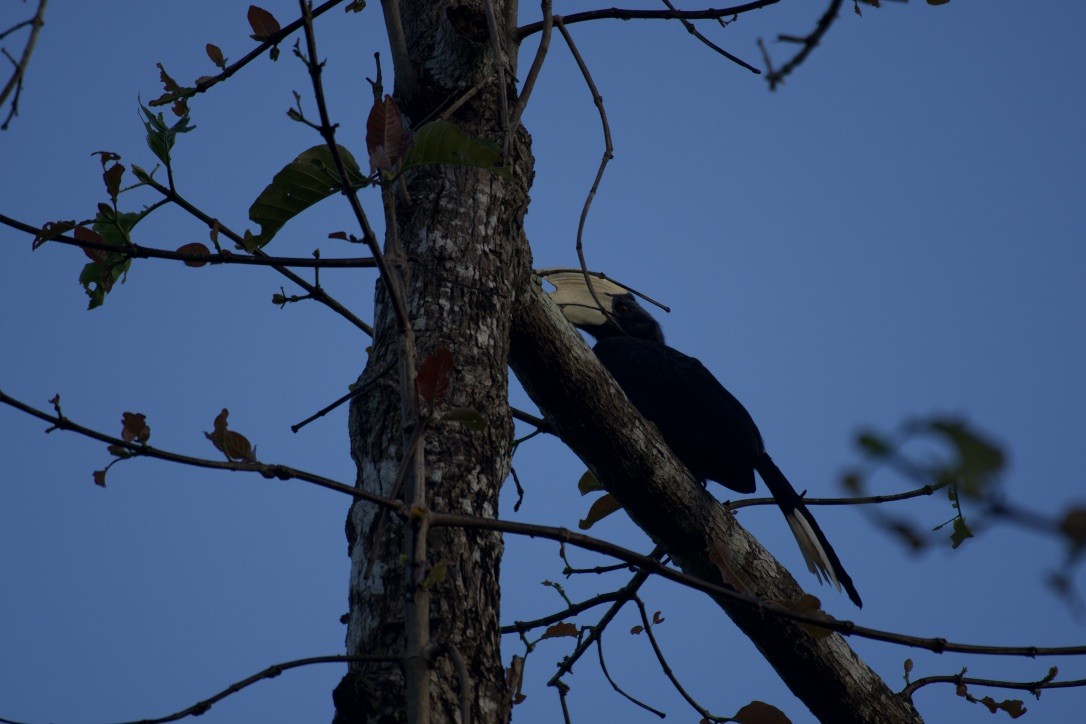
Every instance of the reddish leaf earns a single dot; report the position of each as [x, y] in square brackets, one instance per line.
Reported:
[432, 381]
[134, 427]
[100, 478]
[194, 249]
[232, 444]
[215, 54]
[262, 22]
[83, 234]
[658, 617]
[636, 630]
[112, 177]
[338, 235]
[560, 629]
[758, 712]
[171, 85]
[386, 139]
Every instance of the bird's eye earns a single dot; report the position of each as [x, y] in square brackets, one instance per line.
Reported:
[622, 308]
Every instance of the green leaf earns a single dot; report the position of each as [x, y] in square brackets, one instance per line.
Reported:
[442, 142]
[979, 460]
[961, 533]
[106, 267]
[466, 416]
[309, 178]
[588, 483]
[436, 575]
[160, 135]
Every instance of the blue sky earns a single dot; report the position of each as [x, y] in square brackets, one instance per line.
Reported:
[899, 231]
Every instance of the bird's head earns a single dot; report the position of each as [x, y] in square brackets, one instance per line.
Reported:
[620, 315]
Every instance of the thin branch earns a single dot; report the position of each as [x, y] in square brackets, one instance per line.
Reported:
[862, 500]
[328, 133]
[498, 60]
[809, 43]
[619, 689]
[538, 422]
[697, 34]
[281, 472]
[608, 154]
[403, 72]
[1031, 686]
[317, 293]
[15, 82]
[622, 596]
[646, 625]
[533, 72]
[631, 14]
[646, 564]
[358, 389]
[205, 84]
[201, 707]
[520, 627]
[136, 251]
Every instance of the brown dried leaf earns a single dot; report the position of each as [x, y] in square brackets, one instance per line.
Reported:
[233, 445]
[134, 427]
[215, 54]
[386, 139]
[758, 712]
[194, 249]
[100, 478]
[560, 629]
[112, 178]
[262, 22]
[82, 233]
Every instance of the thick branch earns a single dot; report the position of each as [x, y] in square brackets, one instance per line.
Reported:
[589, 412]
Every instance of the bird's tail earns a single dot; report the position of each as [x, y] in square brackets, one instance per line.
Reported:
[817, 551]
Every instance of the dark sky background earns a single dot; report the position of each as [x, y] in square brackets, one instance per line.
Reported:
[898, 232]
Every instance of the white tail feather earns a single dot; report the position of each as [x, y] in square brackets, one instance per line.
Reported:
[818, 562]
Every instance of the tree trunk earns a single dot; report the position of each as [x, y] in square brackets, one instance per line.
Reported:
[463, 255]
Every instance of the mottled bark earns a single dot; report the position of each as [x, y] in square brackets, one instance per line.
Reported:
[464, 253]
[628, 455]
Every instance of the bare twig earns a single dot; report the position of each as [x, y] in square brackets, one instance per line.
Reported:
[631, 14]
[697, 34]
[1031, 686]
[404, 73]
[201, 707]
[499, 61]
[316, 293]
[538, 422]
[809, 43]
[622, 596]
[608, 154]
[619, 689]
[862, 500]
[533, 72]
[15, 82]
[646, 625]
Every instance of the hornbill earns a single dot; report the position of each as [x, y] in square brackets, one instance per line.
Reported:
[706, 427]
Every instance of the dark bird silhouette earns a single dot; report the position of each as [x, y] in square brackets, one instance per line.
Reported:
[706, 427]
